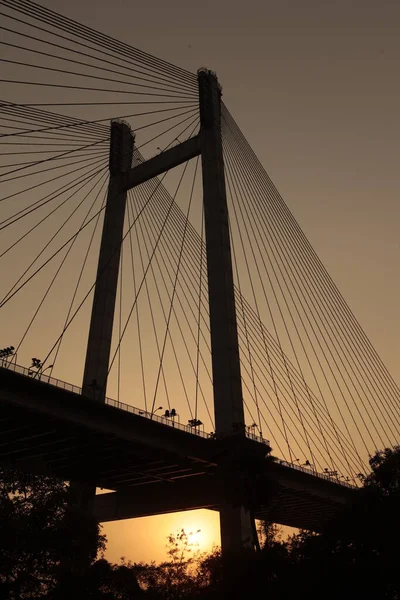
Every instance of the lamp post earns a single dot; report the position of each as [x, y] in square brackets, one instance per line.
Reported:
[6, 353]
[43, 370]
[174, 414]
[154, 411]
[171, 414]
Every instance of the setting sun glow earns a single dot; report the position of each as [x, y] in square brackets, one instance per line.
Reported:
[146, 538]
[196, 537]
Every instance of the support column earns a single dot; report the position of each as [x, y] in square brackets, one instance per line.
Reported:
[227, 382]
[105, 292]
[235, 522]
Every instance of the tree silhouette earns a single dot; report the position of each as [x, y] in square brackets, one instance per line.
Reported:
[38, 530]
[356, 556]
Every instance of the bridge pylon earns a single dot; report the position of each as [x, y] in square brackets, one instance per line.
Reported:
[236, 522]
[237, 525]
[105, 291]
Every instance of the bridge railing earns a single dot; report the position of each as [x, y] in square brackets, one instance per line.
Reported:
[159, 419]
[171, 422]
[110, 401]
[325, 476]
[257, 438]
[41, 377]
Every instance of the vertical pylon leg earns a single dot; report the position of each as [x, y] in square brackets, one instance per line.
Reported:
[105, 292]
[237, 529]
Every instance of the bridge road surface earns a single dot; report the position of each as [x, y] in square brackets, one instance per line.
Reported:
[152, 466]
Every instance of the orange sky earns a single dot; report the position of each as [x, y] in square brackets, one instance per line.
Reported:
[146, 539]
[317, 95]
[314, 87]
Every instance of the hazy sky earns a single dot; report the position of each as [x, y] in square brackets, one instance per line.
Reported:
[314, 86]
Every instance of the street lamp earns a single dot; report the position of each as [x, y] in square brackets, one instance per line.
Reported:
[154, 411]
[174, 414]
[6, 353]
[171, 414]
[43, 370]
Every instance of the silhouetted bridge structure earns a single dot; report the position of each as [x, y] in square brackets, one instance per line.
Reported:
[207, 298]
[154, 467]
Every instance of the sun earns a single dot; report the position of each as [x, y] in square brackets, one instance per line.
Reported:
[146, 538]
[201, 527]
[196, 537]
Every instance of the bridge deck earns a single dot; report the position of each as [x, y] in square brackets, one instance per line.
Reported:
[154, 467]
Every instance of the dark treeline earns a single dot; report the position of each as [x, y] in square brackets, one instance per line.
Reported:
[42, 538]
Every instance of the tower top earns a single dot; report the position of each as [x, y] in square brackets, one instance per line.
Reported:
[121, 146]
[203, 71]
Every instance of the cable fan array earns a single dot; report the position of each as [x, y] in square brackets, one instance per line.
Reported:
[268, 375]
[331, 381]
[312, 382]
[76, 68]
[54, 172]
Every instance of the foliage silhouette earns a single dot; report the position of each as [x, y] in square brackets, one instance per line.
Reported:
[39, 530]
[355, 557]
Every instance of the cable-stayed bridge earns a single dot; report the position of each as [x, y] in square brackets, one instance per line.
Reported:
[154, 262]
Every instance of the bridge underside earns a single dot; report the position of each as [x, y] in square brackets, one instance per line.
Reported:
[277, 502]
[56, 432]
[152, 467]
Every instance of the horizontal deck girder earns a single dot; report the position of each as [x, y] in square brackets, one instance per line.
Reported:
[153, 467]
